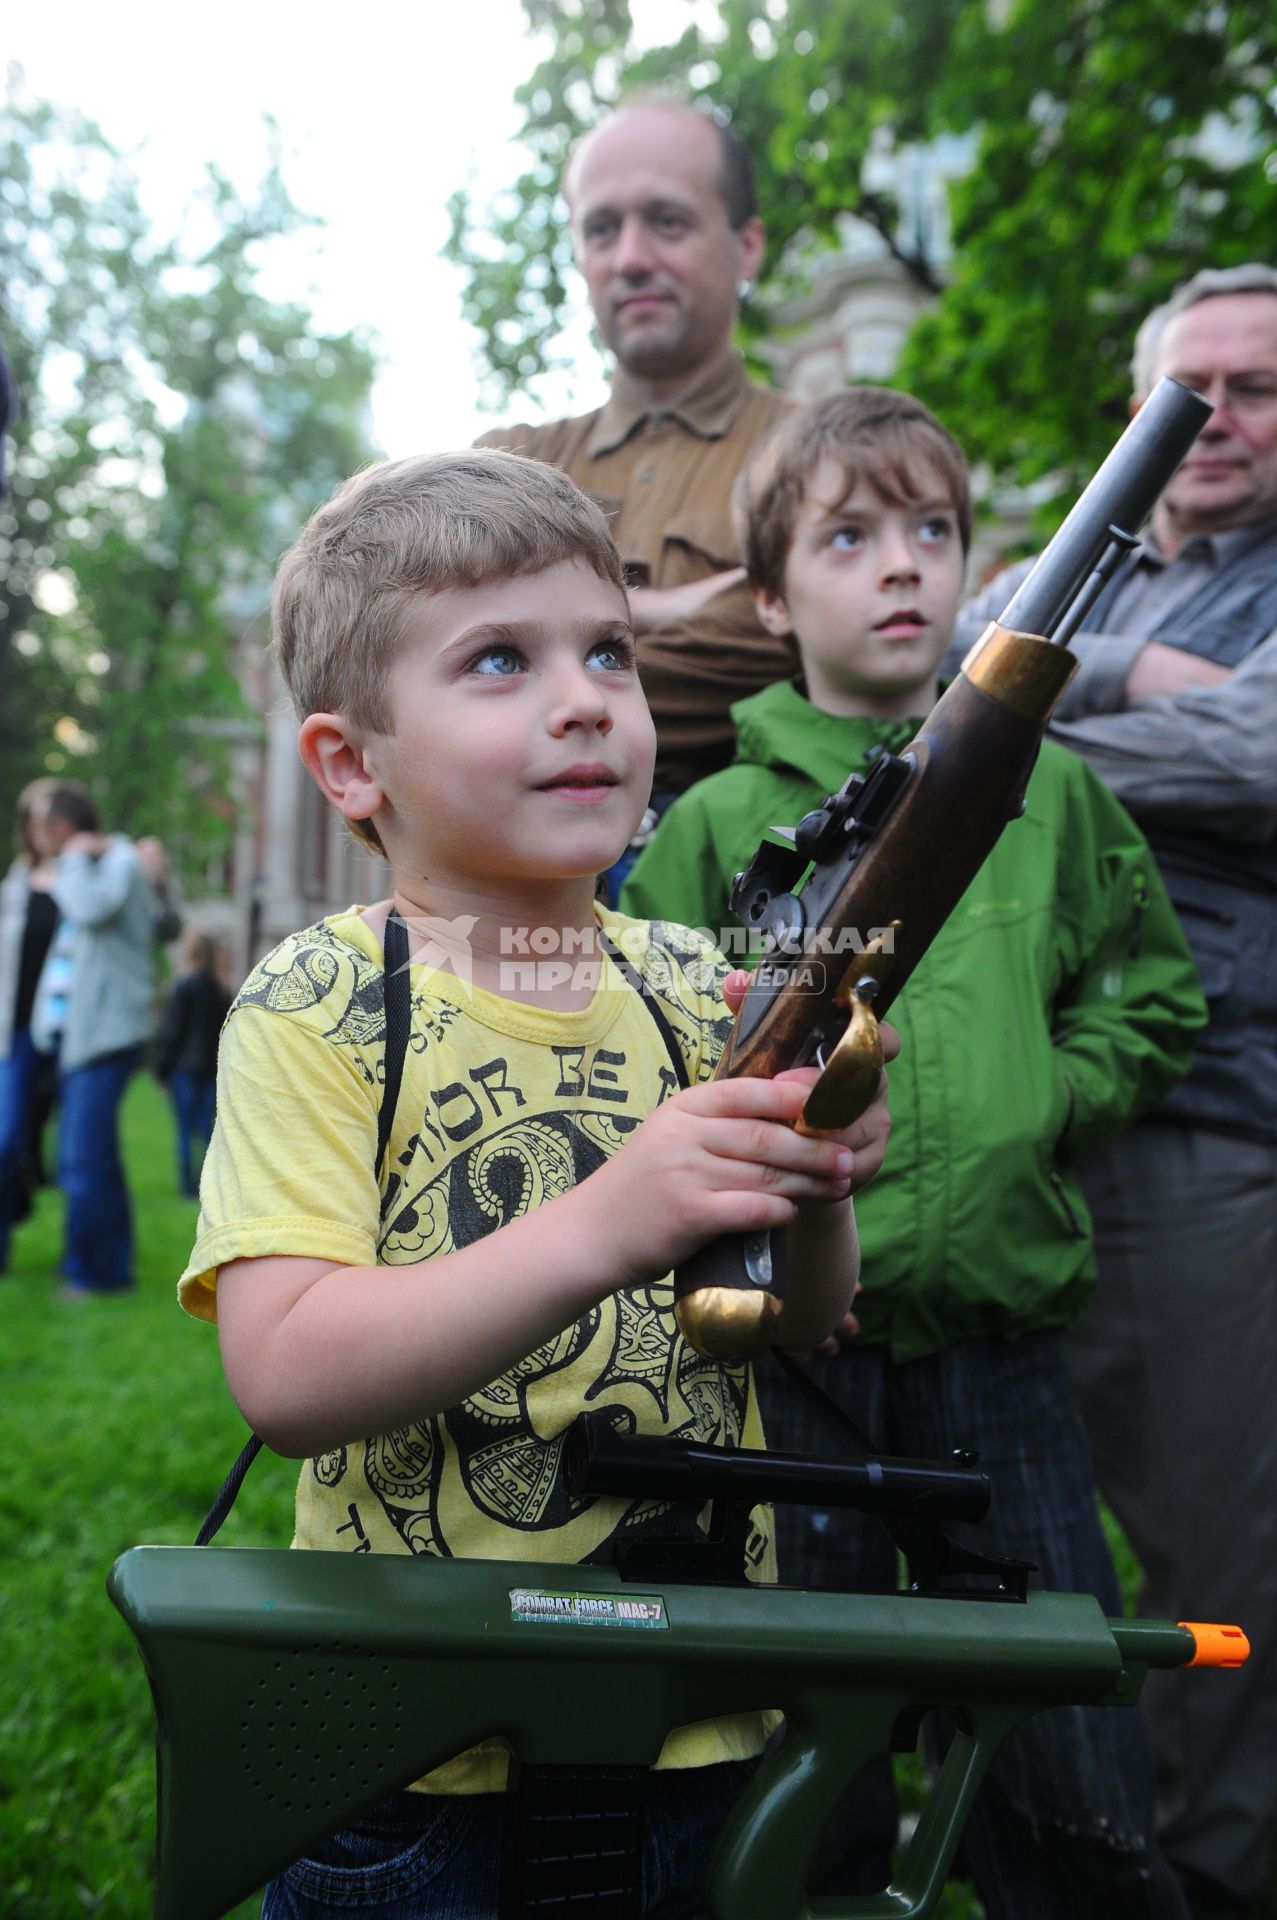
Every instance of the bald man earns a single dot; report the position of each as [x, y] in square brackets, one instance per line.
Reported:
[666, 234]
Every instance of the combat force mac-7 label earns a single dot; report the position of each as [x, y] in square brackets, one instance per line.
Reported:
[541, 1608]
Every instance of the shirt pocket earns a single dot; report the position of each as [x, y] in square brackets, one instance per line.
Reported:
[704, 531]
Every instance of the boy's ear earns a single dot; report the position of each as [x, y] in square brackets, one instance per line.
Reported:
[335, 755]
[772, 611]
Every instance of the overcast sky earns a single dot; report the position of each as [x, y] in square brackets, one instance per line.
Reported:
[384, 109]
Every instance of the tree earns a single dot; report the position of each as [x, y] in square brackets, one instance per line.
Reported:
[1115, 148]
[174, 427]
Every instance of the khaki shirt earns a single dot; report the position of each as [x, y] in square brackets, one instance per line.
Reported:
[665, 479]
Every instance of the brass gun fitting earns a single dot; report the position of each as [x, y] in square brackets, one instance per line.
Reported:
[729, 1323]
[1020, 671]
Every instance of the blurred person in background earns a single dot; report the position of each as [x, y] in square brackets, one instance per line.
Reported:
[186, 1050]
[93, 1004]
[28, 920]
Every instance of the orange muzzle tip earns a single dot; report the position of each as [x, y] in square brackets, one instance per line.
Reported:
[1216, 1646]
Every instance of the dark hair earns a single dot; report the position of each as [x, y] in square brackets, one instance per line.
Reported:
[736, 168]
[69, 802]
[872, 433]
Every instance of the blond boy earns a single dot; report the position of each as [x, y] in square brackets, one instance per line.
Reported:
[455, 636]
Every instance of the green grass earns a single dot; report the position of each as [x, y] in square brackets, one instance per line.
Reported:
[117, 1428]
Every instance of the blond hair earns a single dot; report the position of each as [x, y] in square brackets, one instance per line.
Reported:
[349, 590]
[872, 433]
[31, 803]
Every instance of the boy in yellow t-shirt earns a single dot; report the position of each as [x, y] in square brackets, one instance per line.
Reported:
[454, 633]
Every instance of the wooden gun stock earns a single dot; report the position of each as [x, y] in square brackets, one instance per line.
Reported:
[899, 849]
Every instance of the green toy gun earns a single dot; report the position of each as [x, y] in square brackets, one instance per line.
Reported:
[293, 1689]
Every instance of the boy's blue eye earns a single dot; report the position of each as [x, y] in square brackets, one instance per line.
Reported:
[613, 656]
[937, 528]
[846, 537]
[495, 661]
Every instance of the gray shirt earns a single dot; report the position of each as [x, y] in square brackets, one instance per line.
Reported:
[1204, 758]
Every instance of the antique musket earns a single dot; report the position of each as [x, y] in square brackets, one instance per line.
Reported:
[892, 852]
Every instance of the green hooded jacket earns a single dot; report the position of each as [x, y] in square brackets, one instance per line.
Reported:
[1057, 1003]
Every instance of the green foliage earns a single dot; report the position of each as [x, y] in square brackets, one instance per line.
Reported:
[1121, 148]
[1114, 150]
[175, 426]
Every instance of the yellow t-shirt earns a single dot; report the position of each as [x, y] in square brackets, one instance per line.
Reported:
[502, 1106]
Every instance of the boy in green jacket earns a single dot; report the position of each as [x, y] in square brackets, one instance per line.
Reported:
[1057, 1003]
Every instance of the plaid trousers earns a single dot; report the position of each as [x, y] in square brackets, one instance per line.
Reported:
[1063, 1825]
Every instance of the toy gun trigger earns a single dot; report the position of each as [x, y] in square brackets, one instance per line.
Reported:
[1216, 1645]
[851, 1069]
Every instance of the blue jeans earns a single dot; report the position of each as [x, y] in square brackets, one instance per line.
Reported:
[17, 1074]
[438, 1856]
[194, 1103]
[1063, 1824]
[98, 1255]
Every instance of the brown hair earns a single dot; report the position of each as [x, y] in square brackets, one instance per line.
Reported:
[72, 804]
[199, 951]
[872, 433]
[348, 590]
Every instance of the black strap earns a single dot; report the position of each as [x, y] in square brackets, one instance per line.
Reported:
[644, 990]
[398, 1004]
[853, 1442]
[229, 1490]
[398, 1010]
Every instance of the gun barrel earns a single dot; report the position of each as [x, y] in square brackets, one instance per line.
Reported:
[1122, 494]
[1188, 1643]
[598, 1460]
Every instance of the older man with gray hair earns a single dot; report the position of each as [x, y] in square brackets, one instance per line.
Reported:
[1175, 706]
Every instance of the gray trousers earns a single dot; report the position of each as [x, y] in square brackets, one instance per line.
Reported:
[1176, 1371]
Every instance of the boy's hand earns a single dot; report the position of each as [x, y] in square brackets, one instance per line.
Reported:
[719, 1158]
